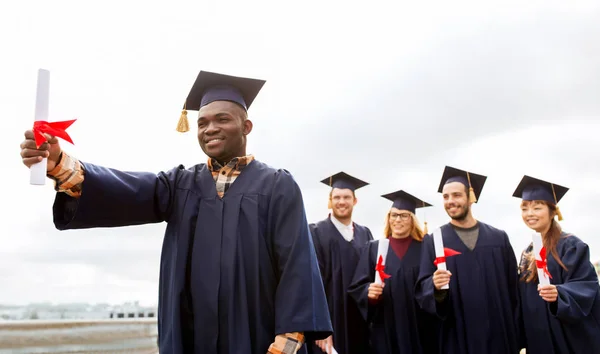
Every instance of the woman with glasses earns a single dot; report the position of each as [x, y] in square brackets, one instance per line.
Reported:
[563, 316]
[397, 324]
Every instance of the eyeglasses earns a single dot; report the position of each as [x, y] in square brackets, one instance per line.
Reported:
[403, 216]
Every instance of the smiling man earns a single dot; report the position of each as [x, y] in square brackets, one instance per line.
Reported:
[480, 308]
[338, 242]
[238, 270]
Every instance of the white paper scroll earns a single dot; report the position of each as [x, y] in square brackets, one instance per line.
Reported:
[37, 172]
[382, 250]
[537, 247]
[438, 243]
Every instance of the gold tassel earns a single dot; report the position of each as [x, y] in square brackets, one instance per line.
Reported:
[183, 125]
[472, 196]
[558, 213]
[329, 206]
[425, 231]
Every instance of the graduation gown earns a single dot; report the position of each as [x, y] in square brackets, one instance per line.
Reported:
[234, 272]
[397, 323]
[337, 261]
[480, 311]
[572, 323]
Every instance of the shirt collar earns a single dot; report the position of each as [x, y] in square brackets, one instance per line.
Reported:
[339, 224]
[237, 163]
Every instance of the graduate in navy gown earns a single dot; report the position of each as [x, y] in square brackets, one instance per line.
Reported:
[397, 323]
[564, 316]
[338, 241]
[238, 270]
[480, 309]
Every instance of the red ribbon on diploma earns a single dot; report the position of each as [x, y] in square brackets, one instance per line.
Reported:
[380, 267]
[448, 252]
[57, 129]
[544, 262]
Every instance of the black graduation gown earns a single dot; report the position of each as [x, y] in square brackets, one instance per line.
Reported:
[572, 323]
[337, 260]
[480, 311]
[234, 272]
[397, 323]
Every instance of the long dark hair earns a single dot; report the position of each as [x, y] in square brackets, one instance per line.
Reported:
[549, 240]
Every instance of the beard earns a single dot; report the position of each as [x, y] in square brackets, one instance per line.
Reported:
[344, 214]
[462, 215]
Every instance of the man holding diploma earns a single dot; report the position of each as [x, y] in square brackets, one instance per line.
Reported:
[479, 311]
[238, 270]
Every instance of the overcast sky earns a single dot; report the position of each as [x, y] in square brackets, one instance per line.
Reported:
[390, 95]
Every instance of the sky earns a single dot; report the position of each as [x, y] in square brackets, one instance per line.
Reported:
[389, 92]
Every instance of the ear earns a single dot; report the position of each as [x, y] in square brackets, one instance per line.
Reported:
[247, 128]
[355, 201]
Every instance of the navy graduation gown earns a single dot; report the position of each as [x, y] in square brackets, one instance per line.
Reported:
[397, 323]
[234, 272]
[572, 323]
[480, 311]
[337, 261]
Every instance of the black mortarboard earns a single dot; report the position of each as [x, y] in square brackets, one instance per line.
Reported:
[404, 201]
[471, 180]
[210, 87]
[344, 181]
[535, 189]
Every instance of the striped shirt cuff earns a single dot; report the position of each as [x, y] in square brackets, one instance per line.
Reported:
[68, 175]
[288, 343]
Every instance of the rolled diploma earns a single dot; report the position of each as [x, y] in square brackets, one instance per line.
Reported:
[382, 250]
[438, 244]
[38, 170]
[537, 247]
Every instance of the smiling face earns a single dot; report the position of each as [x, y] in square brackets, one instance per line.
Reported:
[401, 223]
[456, 201]
[342, 203]
[536, 215]
[222, 130]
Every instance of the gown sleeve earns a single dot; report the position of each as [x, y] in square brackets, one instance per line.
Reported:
[429, 299]
[113, 198]
[364, 275]
[577, 293]
[300, 303]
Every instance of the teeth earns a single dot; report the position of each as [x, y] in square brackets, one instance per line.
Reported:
[210, 141]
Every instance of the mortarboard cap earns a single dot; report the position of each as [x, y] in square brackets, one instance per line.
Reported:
[471, 180]
[210, 87]
[343, 180]
[404, 201]
[531, 188]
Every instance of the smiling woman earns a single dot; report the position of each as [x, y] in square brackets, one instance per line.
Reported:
[563, 316]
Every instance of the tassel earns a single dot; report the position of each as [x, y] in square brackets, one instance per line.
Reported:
[558, 213]
[472, 196]
[329, 206]
[425, 231]
[183, 125]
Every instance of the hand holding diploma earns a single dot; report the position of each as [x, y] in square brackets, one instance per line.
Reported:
[326, 345]
[40, 150]
[441, 279]
[33, 154]
[375, 291]
[548, 292]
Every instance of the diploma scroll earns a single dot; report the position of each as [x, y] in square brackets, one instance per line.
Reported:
[382, 250]
[37, 171]
[540, 259]
[438, 243]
